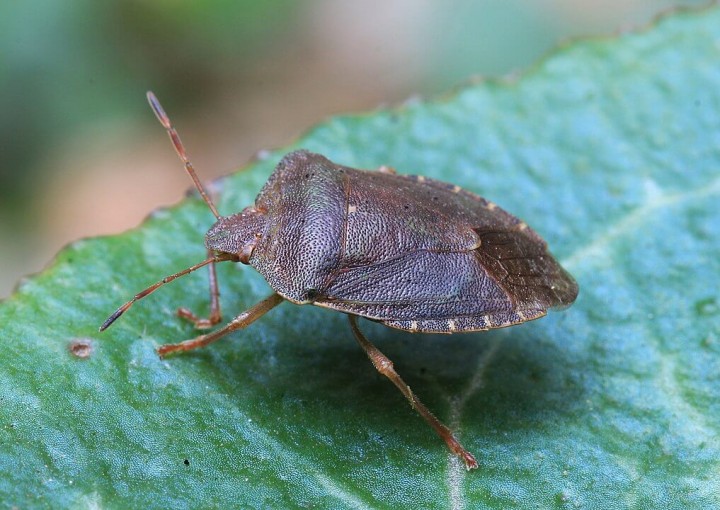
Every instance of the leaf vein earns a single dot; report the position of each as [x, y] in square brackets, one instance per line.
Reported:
[660, 200]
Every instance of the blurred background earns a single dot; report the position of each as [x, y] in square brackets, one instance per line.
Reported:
[82, 155]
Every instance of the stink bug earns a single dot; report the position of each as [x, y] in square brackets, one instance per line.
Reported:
[406, 251]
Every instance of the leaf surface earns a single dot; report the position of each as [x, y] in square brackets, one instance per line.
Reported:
[610, 149]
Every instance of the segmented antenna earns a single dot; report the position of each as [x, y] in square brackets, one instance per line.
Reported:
[179, 148]
[152, 288]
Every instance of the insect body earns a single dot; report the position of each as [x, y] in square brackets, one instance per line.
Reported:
[407, 251]
[410, 252]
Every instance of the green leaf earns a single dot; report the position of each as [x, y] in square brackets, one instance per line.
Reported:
[610, 149]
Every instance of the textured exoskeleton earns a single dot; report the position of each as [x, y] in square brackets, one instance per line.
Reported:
[410, 252]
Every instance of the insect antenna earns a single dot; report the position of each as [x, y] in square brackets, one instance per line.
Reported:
[180, 149]
[152, 288]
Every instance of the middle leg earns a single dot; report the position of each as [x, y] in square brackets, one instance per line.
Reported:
[243, 320]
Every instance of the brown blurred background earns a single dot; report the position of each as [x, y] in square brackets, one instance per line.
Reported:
[82, 155]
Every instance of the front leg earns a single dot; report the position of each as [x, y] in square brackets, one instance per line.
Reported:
[215, 314]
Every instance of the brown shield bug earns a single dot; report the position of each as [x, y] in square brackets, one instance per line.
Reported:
[406, 251]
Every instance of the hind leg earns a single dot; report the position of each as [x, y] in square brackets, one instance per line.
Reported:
[385, 367]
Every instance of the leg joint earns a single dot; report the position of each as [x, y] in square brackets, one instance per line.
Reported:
[383, 365]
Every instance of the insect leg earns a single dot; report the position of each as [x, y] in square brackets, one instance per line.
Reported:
[385, 367]
[215, 315]
[244, 319]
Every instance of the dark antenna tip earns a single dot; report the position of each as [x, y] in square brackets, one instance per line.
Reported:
[152, 288]
[158, 109]
[115, 316]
